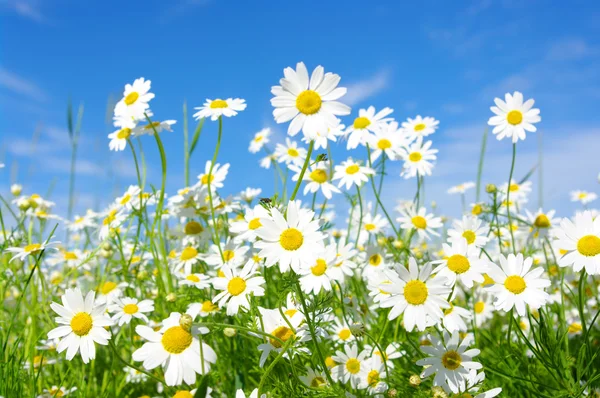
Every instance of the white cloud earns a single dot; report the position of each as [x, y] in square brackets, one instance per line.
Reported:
[568, 49]
[29, 9]
[367, 88]
[21, 86]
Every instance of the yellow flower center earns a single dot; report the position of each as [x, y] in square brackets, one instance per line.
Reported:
[188, 253]
[352, 169]
[361, 123]
[258, 138]
[291, 239]
[208, 306]
[131, 98]
[32, 248]
[81, 323]
[458, 264]
[370, 226]
[479, 306]
[110, 217]
[254, 224]
[451, 360]
[384, 144]
[541, 221]
[176, 339]
[56, 392]
[469, 236]
[589, 246]
[476, 210]
[419, 222]
[236, 286]
[228, 255]
[151, 126]
[375, 260]
[575, 327]
[108, 287]
[192, 278]
[353, 366]
[320, 268]
[218, 104]
[514, 117]
[293, 152]
[124, 133]
[70, 256]
[130, 309]
[515, 284]
[487, 280]
[318, 176]
[344, 334]
[330, 362]
[308, 102]
[415, 156]
[373, 378]
[193, 228]
[420, 127]
[204, 179]
[283, 333]
[415, 292]
[317, 382]
[183, 394]
[291, 312]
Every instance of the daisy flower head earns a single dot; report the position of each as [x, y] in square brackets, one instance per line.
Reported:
[514, 117]
[350, 363]
[450, 361]
[310, 103]
[318, 177]
[135, 100]
[186, 260]
[462, 263]
[236, 286]
[231, 254]
[472, 228]
[55, 391]
[579, 242]
[387, 139]
[199, 281]
[367, 123]
[82, 324]
[249, 194]
[541, 223]
[204, 309]
[217, 176]
[518, 191]
[290, 153]
[219, 107]
[293, 241]
[583, 197]
[320, 275]
[517, 285]
[461, 188]
[418, 219]
[351, 173]
[259, 140]
[127, 308]
[276, 325]
[372, 375]
[153, 127]
[416, 294]
[322, 138]
[175, 347]
[31, 249]
[420, 126]
[119, 137]
[112, 220]
[245, 229]
[455, 319]
[418, 159]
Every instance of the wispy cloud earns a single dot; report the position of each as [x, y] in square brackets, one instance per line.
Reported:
[180, 7]
[569, 49]
[29, 9]
[22, 86]
[367, 88]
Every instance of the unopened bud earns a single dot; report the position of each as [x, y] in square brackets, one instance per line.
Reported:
[106, 246]
[357, 329]
[392, 393]
[23, 204]
[414, 380]
[229, 332]
[171, 297]
[186, 322]
[490, 188]
[16, 189]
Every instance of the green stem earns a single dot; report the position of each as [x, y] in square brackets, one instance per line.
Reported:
[217, 239]
[304, 166]
[512, 168]
[272, 365]
[360, 207]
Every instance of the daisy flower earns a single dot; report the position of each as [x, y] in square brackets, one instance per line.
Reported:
[367, 122]
[118, 138]
[454, 319]
[518, 192]
[126, 308]
[275, 324]
[310, 104]
[186, 260]
[583, 197]
[344, 255]
[425, 224]
[31, 249]
[290, 153]
[351, 173]
[461, 188]
[415, 293]
[218, 107]
[418, 159]
[462, 263]
[319, 276]
[236, 286]
[474, 381]
[388, 139]
[472, 228]
[199, 281]
[266, 162]
[513, 117]
[321, 138]
[483, 310]
[204, 309]
[230, 254]
[153, 127]
[341, 333]
[245, 229]
[420, 126]
[517, 285]
[259, 140]
[580, 242]
[82, 324]
[372, 375]
[293, 241]
[135, 100]
[314, 379]
[217, 176]
[318, 177]
[175, 347]
[451, 362]
[55, 391]
[541, 223]
[349, 365]
[254, 394]
[374, 224]
[112, 220]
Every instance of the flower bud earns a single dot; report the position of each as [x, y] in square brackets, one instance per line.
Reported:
[186, 322]
[16, 189]
[490, 188]
[171, 297]
[229, 332]
[414, 380]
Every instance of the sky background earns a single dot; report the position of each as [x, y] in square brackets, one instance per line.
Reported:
[434, 58]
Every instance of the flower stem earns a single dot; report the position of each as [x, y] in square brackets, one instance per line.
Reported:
[512, 169]
[301, 176]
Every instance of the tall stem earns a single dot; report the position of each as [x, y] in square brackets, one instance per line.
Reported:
[512, 169]
[217, 239]
[304, 166]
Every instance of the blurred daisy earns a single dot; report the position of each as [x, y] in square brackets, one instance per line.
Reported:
[367, 122]
[583, 197]
[455, 318]
[55, 391]
[518, 192]
[318, 177]
[259, 140]
[205, 308]
[31, 249]
[321, 139]
[245, 229]
[186, 260]
[372, 375]
[461, 188]
[541, 223]
[218, 175]
[473, 229]
[82, 324]
[462, 263]
[218, 107]
[310, 104]
[118, 138]
[230, 254]
[351, 173]
[580, 243]
[424, 224]
[319, 276]
[513, 117]
[290, 153]
[418, 159]
[249, 194]
[236, 286]
[420, 127]
[126, 308]
[135, 100]
[387, 139]
[153, 127]
[199, 281]
[349, 365]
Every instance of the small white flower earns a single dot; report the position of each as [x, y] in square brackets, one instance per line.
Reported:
[218, 107]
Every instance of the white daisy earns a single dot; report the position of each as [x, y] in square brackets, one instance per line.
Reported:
[424, 224]
[351, 173]
[583, 196]
[217, 176]
[580, 242]
[322, 138]
[318, 177]
[472, 228]
[320, 275]
[418, 159]
[186, 260]
[245, 229]
[350, 366]
[126, 308]
[420, 126]
[462, 263]
[218, 107]
[461, 188]
[541, 223]
[455, 319]
[153, 127]
[259, 140]
[31, 249]
[387, 139]
[290, 153]
[275, 324]
[236, 286]
[135, 100]
[199, 281]
[367, 122]
[118, 138]
[513, 117]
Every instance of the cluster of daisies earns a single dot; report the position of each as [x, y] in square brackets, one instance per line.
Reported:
[188, 291]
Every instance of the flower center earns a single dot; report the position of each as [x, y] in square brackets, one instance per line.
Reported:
[384, 144]
[514, 117]
[192, 278]
[419, 222]
[193, 228]
[352, 169]
[291, 239]
[283, 333]
[451, 360]
[254, 224]
[361, 123]
[183, 394]
[320, 268]
[469, 236]
[188, 253]
[291, 312]
[208, 306]
[308, 102]
[108, 287]
[319, 176]
[124, 133]
[370, 226]
[589, 245]
[176, 339]
[542, 221]
[218, 104]
[32, 247]
[204, 179]
[130, 309]
[293, 152]
[373, 378]
[236, 286]
[479, 306]
[375, 259]
[415, 156]
[415, 292]
[228, 255]
[458, 264]
[575, 327]
[353, 366]
[513, 187]
[131, 98]
[515, 284]
[317, 382]
[476, 210]
[81, 323]
[344, 334]
[420, 127]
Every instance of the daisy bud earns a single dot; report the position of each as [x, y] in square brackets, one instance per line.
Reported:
[186, 322]
[393, 393]
[414, 380]
[490, 188]
[229, 332]
[106, 246]
[438, 392]
[398, 244]
[433, 204]
[23, 204]
[381, 241]
[105, 254]
[357, 329]
[171, 297]
[16, 189]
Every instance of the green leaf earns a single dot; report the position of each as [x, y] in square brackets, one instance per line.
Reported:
[196, 135]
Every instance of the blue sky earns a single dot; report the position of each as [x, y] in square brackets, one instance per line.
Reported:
[442, 59]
